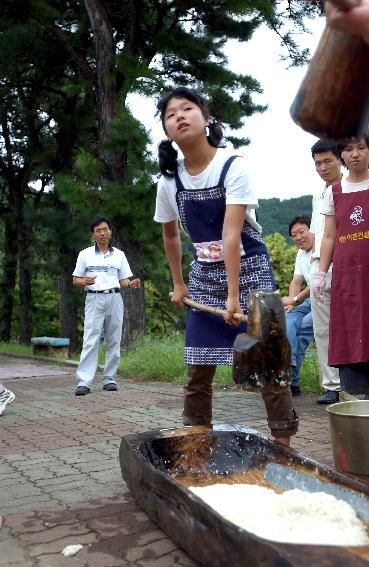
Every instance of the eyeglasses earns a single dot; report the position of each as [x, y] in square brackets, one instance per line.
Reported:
[301, 232]
[101, 230]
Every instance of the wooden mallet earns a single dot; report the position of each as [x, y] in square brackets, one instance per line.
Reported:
[262, 356]
[333, 99]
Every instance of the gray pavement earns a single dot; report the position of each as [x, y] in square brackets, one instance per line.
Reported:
[60, 480]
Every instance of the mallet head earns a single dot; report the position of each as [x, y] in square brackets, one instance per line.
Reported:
[262, 355]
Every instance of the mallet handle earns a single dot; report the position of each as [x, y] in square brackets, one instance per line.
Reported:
[208, 309]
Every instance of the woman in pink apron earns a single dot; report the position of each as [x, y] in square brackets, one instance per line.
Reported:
[346, 241]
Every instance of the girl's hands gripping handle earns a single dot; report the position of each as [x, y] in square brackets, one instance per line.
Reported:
[209, 309]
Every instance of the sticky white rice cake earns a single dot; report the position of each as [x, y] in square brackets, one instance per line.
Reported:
[294, 516]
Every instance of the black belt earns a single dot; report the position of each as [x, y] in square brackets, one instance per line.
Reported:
[112, 290]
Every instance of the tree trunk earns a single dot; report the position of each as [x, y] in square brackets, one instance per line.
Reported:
[68, 311]
[134, 304]
[115, 162]
[9, 277]
[25, 279]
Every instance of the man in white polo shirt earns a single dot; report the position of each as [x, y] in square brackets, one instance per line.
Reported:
[297, 304]
[101, 270]
[328, 165]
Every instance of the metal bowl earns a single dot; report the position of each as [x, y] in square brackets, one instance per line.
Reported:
[349, 424]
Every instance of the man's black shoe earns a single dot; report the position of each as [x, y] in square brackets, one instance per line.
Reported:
[82, 390]
[295, 390]
[111, 387]
[330, 397]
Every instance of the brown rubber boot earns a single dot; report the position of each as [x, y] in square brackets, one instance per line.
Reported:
[282, 418]
[198, 395]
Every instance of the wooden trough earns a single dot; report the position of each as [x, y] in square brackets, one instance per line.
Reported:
[158, 466]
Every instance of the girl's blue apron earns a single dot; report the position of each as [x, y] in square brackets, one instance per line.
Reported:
[209, 340]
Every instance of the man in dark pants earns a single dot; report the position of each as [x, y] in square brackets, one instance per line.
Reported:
[101, 270]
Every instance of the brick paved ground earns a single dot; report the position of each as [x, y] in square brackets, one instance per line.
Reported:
[60, 480]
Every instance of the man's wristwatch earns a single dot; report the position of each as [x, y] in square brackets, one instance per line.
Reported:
[295, 299]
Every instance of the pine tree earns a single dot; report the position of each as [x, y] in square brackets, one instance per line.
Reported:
[67, 70]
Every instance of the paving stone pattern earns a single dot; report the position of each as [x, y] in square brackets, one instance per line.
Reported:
[60, 480]
[28, 370]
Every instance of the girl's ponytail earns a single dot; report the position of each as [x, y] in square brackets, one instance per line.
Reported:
[215, 133]
[167, 158]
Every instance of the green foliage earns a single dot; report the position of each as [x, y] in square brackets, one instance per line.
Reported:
[282, 258]
[275, 215]
[129, 202]
[88, 166]
[158, 283]
[126, 133]
[155, 358]
[309, 374]
[46, 316]
[160, 358]
[52, 117]
[161, 315]
[15, 349]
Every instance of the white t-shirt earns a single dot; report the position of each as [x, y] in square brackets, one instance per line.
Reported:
[237, 186]
[327, 204]
[109, 268]
[302, 265]
[317, 221]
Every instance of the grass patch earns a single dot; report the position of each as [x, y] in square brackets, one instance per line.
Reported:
[160, 359]
[15, 348]
[155, 358]
[309, 373]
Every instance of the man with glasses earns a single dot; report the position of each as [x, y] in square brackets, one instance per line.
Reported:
[299, 320]
[101, 270]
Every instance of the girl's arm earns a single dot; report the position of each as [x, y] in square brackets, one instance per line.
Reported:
[327, 246]
[233, 222]
[173, 250]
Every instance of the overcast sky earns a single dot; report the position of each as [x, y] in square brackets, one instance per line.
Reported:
[279, 156]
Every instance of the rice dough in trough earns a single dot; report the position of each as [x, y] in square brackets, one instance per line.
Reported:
[294, 516]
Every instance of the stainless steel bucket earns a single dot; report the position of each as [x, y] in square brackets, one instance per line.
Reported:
[349, 424]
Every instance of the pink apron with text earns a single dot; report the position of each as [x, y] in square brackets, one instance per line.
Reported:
[349, 315]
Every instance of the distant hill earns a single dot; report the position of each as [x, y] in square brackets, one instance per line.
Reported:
[275, 215]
